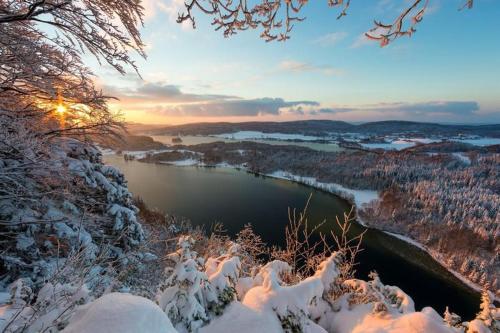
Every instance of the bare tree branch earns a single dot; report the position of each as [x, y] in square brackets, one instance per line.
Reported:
[276, 18]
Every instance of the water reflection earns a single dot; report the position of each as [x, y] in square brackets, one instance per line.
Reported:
[207, 195]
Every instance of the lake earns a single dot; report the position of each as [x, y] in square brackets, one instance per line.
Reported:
[235, 198]
[196, 139]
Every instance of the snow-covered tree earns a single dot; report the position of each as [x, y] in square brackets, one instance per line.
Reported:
[194, 292]
[451, 319]
[56, 197]
[181, 296]
[489, 315]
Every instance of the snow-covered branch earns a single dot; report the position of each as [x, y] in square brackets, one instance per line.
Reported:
[276, 18]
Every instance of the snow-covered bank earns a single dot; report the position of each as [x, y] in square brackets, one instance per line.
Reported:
[482, 142]
[358, 197]
[400, 143]
[254, 135]
[437, 257]
[408, 240]
[403, 143]
[180, 163]
[394, 145]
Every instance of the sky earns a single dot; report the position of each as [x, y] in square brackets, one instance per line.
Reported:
[447, 72]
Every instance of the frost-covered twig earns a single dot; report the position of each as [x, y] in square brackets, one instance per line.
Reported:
[277, 18]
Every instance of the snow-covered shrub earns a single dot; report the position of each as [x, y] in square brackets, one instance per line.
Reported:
[223, 273]
[181, 297]
[196, 291]
[48, 310]
[252, 249]
[290, 303]
[452, 319]
[384, 298]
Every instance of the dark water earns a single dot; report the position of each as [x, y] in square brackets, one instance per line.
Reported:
[207, 195]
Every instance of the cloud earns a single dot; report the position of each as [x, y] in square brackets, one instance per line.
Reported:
[361, 41]
[330, 39]
[458, 108]
[227, 108]
[302, 67]
[170, 7]
[455, 108]
[295, 66]
[169, 100]
[424, 111]
[160, 92]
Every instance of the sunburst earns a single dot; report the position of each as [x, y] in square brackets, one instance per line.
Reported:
[61, 109]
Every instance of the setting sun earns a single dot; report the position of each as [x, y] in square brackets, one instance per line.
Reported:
[61, 109]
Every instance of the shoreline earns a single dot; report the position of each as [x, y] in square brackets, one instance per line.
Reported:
[353, 197]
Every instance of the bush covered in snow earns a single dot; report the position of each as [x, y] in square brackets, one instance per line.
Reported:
[73, 203]
[266, 303]
[210, 291]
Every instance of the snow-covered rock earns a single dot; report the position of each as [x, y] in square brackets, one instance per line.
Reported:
[119, 312]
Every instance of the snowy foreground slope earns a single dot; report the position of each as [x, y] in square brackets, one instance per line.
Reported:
[216, 295]
[84, 272]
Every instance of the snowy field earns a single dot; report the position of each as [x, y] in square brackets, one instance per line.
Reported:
[254, 135]
[404, 143]
[399, 144]
[394, 145]
[482, 142]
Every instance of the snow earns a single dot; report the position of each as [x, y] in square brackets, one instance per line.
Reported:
[138, 154]
[221, 272]
[186, 162]
[399, 144]
[358, 197]
[118, 312]
[362, 320]
[270, 306]
[79, 169]
[477, 326]
[290, 302]
[192, 302]
[106, 151]
[462, 158]
[407, 239]
[394, 145]
[422, 140]
[243, 319]
[6, 310]
[51, 307]
[249, 135]
[482, 142]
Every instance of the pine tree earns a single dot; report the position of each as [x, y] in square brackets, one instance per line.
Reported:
[451, 319]
[485, 306]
